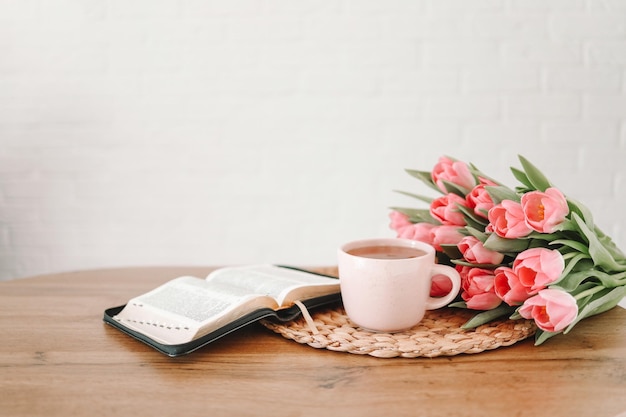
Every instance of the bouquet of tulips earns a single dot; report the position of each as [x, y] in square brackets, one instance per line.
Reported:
[528, 252]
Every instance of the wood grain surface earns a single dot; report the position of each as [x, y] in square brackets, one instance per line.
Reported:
[57, 358]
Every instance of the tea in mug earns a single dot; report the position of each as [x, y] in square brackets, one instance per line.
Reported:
[387, 252]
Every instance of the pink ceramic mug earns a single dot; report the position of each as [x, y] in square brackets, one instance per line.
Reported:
[385, 283]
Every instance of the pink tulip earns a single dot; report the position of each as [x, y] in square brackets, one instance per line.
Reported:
[553, 310]
[537, 268]
[441, 285]
[479, 200]
[418, 231]
[544, 211]
[455, 172]
[474, 252]
[446, 210]
[444, 235]
[507, 220]
[509, 288]
[398, 221]
[478, 288]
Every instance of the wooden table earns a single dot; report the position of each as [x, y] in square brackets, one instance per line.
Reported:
[57, 358]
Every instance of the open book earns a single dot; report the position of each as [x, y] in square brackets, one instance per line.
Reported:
[187, 313]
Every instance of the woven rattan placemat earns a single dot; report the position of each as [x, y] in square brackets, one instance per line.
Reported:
[438, 334]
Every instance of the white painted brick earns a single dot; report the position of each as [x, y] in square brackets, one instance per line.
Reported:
[260, 30]
[464, 108]
[460, 5]
[552, 5]
[258, 83]
[234, 8]
[119, 9]
[606, 5]
[400, 136]
[542, 53]
[461, 54]
[159, 133]
[303, 8]
[25, 11]
[19, 214]
[393, 7]
[36, 191]
[340, 82]
[386, 109]
[508, 133]
[342, 28]
[577, 134]
[411, 82]
[587, 25]
[607, 53]
[382, 55]
[503, 26]
[543, 107]
[605, 106]
[302, 56]
[445, 27]
[584, 79]
[501, 80]
[401, 27]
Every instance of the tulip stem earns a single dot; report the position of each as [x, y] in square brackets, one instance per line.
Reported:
[590, 291]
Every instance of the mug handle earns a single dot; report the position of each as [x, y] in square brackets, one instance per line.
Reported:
[433, 303]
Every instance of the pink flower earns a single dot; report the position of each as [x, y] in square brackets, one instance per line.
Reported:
[544, 211]
[509, 288]
[446, 210]
[507, 220]
[444, 235]
[455, 172]
[478, 288]
[537, 268]
[553, 310]
[473, 251]
[398, 221]
[533, 270]
[441, 285]
[418, 231]
[479, 200]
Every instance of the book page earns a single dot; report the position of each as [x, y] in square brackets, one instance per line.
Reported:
[194, 299]
[188, 307]
[273, 281]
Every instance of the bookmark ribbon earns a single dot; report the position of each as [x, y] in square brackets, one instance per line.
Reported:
[307, 317]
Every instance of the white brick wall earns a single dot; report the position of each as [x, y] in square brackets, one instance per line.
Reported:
[219, 132]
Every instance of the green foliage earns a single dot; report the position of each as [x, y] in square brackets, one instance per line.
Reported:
[595, 268]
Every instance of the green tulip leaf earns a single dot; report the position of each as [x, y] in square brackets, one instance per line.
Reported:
[482, 236]
[488, 315]
[595, 268]
[582, 211]
[521, 177]
[503, 245]
[452, 251]
[425, 199]
[471, 218]
[455, 189]
[416, 215]
[501, 193]
[573, 280]
[542, 335]
[479, 174]
[579, 247]
[535, 177]
[569, 277]
[602, 301]
[600, 255]
[425, 177]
